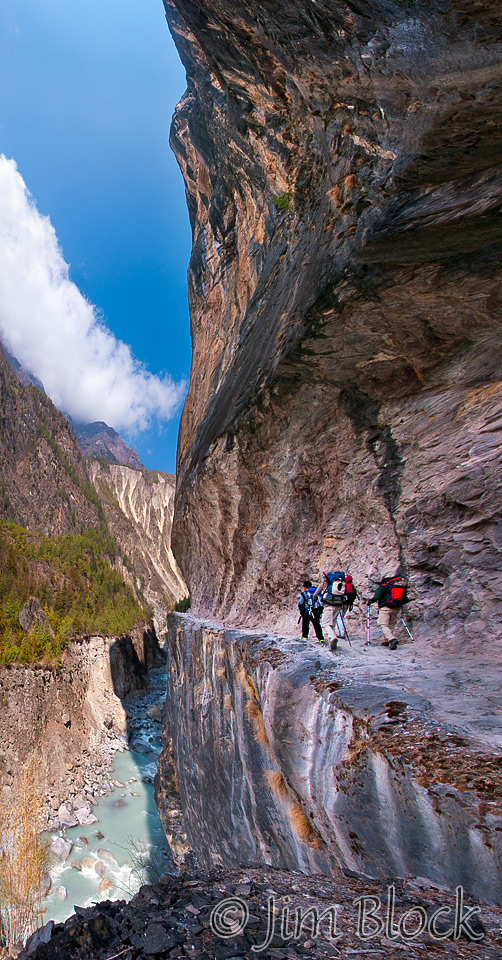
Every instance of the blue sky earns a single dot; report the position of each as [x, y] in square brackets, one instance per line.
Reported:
[88, 90]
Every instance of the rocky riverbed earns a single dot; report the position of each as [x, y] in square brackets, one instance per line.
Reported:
[109, 837]
[70, 721]
[91, 775]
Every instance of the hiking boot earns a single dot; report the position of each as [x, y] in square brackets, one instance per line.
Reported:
[333, 645]
[393, 644]
[303, 638]
[384, 643]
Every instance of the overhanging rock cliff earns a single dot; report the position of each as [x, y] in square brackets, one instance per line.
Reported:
[276, 753]
[342, 170]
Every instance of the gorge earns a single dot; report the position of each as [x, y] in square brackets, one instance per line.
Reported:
[139, 505]
[342, 170]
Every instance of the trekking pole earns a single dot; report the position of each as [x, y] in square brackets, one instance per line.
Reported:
[367, 625]
[345, 628]
[407, 630]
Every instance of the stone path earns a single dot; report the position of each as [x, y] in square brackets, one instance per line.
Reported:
[465, 692]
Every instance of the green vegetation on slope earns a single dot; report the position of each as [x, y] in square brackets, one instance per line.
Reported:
[72, 578]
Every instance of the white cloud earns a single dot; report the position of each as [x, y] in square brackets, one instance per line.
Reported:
[54, 331]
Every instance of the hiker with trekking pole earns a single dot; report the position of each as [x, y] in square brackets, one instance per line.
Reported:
[338, 592]
[391, 596]
[311, 607]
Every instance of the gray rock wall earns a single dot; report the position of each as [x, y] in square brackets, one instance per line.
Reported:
[272, 758]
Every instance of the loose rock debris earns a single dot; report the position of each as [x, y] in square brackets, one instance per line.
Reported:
[224, 914]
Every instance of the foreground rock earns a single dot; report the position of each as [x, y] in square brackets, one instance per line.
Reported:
[278, 751]
[226, 914]
[33, 613]
[341, 163]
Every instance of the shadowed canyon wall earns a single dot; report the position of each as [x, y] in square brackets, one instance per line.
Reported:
[342, 171]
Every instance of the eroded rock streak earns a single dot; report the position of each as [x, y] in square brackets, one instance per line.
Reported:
[268, 759]
[139, 510]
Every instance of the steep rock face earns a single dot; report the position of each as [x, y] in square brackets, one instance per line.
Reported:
[277, 754]
[63, 719]
[139, 511]
[345, 407]
[43, 479]
[100, 440]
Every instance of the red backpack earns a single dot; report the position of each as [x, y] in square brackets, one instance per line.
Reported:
[396, 595]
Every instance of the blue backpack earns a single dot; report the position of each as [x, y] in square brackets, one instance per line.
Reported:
[335, 595]
[307, 602]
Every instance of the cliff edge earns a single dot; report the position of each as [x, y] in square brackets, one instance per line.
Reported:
[277, 753]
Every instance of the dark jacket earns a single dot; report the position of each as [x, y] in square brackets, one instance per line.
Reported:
[380, 595]
[307, 603]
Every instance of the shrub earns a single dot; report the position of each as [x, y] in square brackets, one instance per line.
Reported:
[182, 606]
[24, 860]
[283, 202]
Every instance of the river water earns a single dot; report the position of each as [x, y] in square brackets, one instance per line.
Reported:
[127, 846]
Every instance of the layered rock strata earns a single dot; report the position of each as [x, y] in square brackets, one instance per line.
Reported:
[341, 163]
[68, 721]
[278, 753]
[139, 510]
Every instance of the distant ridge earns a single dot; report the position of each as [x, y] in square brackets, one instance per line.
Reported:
[94, 439]
[21, 374]
[100, 440]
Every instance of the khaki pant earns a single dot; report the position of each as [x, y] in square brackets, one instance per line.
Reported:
[334, 629]
[387, 621]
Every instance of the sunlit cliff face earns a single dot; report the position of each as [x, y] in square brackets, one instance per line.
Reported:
[344, 406]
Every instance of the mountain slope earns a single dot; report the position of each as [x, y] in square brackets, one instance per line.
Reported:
[43, 479]
[100, 440]
[139, 510]
[56, 555]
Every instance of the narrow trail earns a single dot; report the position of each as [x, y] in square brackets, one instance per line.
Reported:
[463, 687]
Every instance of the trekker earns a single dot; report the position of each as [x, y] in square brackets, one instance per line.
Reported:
[391, 595]
[310, 606]
[338, 592]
